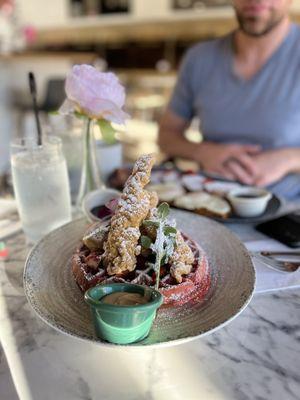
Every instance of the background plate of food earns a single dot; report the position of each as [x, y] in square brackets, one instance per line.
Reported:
[200, 193]
[206, 275]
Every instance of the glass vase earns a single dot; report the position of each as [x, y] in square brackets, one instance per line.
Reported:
[90, 176]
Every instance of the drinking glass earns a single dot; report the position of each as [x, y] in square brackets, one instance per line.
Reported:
[41, 185]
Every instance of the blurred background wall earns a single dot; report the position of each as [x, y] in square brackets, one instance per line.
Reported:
[141, 40]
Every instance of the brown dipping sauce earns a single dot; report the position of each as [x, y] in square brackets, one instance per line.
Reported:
[125, 299]
[248, 196]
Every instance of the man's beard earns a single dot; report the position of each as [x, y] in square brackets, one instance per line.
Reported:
[269, 25]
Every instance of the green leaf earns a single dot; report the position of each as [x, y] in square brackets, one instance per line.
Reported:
[53, 112]
[148, 222]
[80, 115]
[169, 230]
[163, 210]
[163, 260]
[108, 132]
[145, 242]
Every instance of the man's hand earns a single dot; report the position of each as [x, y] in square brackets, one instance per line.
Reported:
[229, 160]
[273, 165]
[245, 163]
[213, 157]
[270, 166]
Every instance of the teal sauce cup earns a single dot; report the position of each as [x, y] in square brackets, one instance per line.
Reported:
[118, 323]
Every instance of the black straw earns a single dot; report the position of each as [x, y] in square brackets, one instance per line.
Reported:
[32, 86]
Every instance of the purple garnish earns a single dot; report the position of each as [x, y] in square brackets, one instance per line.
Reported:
[112, 205]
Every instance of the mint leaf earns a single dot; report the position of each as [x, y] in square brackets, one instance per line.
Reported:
[164, 260]
[148, 222]
[165, 240]
[169, 230]
[108, 132]
[163, 210]
[146, 242]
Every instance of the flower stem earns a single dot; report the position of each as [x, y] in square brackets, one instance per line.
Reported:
[90, 179]
[89, 172]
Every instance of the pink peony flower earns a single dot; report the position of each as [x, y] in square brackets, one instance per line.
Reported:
[98, 95]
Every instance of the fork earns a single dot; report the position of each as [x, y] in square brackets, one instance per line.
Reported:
[278, 265]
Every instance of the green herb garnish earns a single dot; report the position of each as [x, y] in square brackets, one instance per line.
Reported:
[165, 241]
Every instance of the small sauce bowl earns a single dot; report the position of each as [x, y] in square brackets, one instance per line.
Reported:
[248, 201]
[95, 199]
[122, 324]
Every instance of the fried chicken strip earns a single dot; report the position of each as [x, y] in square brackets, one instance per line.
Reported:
[121, 246]
[181, 260]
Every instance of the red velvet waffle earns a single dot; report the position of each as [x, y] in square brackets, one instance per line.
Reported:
[88, 273]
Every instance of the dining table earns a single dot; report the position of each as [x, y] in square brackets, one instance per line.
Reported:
[255, 356]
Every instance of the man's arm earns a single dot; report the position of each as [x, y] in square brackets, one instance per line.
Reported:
[295, 160]
[171, 137]
[212, 157]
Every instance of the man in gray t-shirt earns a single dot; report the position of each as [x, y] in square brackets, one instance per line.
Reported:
[245, 88]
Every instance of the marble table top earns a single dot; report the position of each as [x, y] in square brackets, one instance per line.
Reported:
[256, 356]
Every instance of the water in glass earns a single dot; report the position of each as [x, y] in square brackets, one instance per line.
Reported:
[41, 186]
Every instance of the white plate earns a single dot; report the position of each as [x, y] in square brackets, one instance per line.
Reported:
[54, 295]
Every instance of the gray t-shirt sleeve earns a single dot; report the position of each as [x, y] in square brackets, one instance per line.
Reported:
[181, 102]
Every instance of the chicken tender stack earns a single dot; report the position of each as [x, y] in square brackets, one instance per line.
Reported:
[121, 247]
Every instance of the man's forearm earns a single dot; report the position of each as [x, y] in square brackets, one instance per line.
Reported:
[293, 159]
[179, 146]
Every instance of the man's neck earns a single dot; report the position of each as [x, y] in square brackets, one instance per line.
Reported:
[249, 47]
[252, 52]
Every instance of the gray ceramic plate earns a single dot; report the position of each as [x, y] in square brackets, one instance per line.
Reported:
[53, 294]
